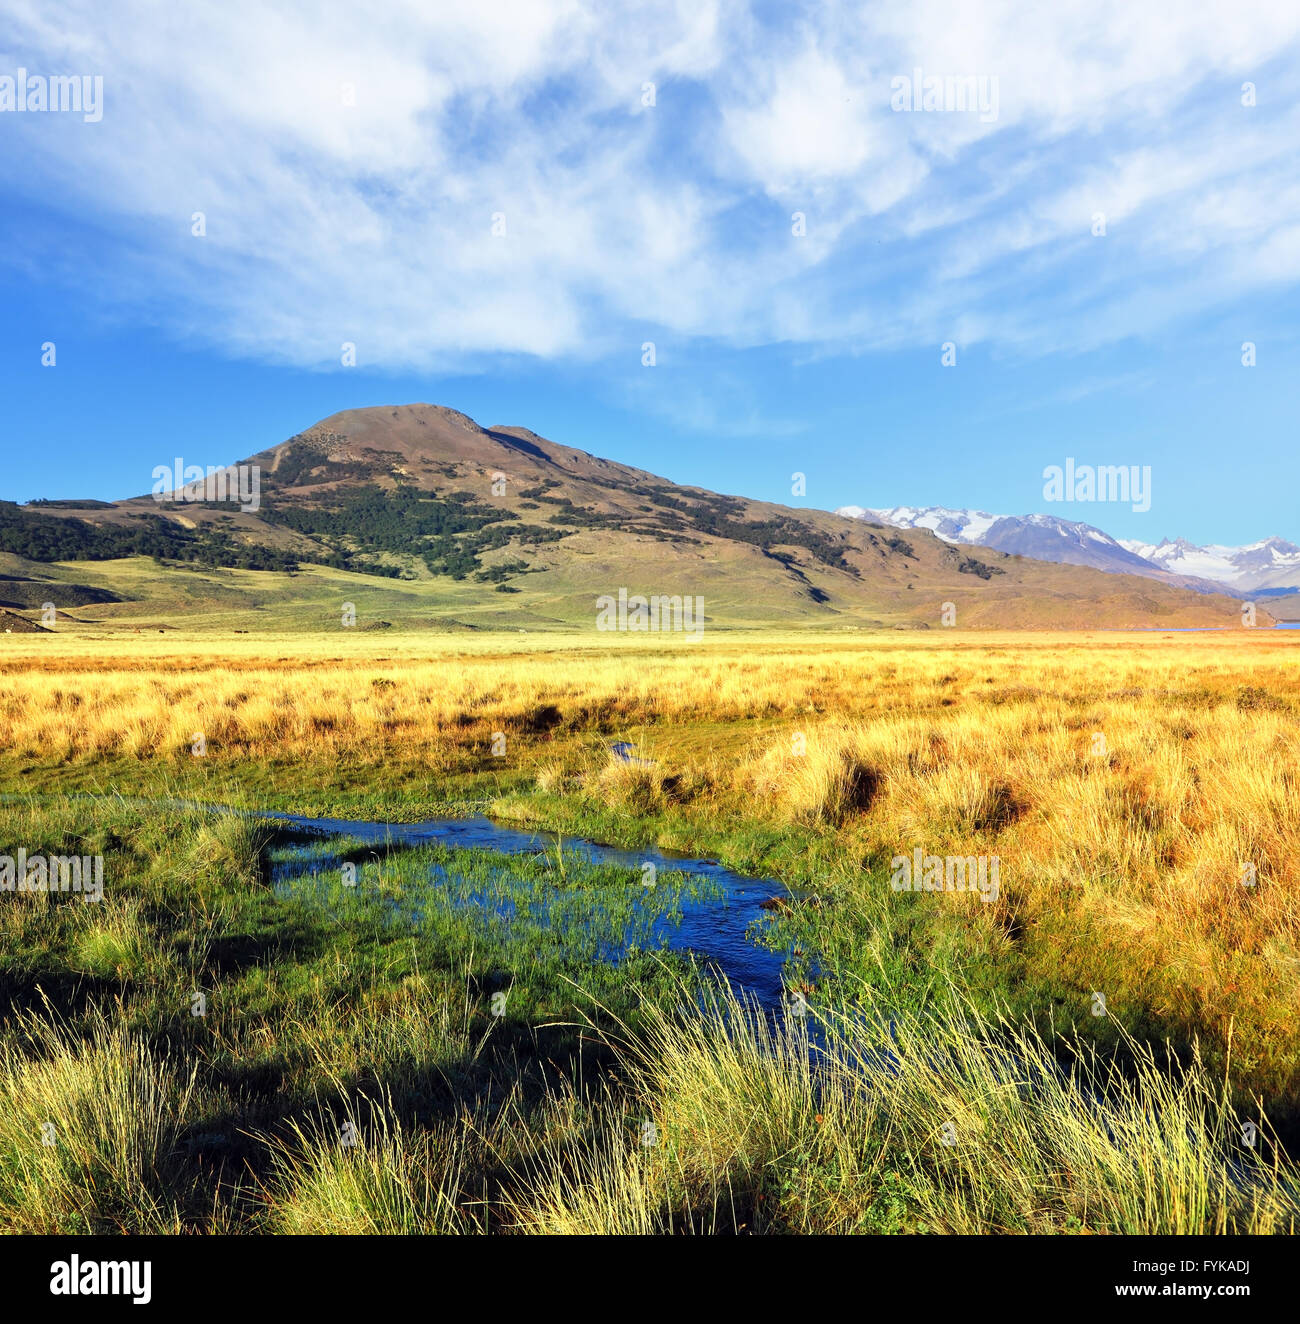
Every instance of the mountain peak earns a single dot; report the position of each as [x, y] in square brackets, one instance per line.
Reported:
[420, 492]
[1051, 538]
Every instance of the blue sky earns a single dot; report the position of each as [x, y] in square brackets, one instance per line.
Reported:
[487, 206]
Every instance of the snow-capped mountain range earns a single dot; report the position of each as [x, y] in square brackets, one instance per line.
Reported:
[1273, 564]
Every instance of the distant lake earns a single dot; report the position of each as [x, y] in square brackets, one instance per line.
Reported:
[1198, 629]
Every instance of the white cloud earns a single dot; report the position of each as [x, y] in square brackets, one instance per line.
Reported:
[366, 215]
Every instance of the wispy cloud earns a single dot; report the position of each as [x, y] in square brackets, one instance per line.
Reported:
[437, 184]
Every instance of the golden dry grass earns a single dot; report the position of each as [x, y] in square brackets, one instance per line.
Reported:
[951, 1124]
[89, 1129]
[1127, 783]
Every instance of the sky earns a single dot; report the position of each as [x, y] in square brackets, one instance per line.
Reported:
[726, 242]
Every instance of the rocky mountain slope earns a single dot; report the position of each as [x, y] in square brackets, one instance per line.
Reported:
[522, 532]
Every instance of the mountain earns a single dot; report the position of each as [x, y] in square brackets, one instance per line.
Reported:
[12, 623]
[1044, 537]
[424, 519]
[1273, 563]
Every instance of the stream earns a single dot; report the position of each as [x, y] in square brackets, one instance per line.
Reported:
[715, 929]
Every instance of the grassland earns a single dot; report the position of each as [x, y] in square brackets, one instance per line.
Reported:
[1123, 782]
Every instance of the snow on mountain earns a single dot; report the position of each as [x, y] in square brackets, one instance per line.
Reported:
[1044, 537]
[1270, 563]
[1049, 538]
[1185, 558]
[955, 526]
[1142, 549]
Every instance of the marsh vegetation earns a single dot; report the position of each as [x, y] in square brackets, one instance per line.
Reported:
[353, 1069]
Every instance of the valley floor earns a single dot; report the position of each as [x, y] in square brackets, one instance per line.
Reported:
[1103, 1035]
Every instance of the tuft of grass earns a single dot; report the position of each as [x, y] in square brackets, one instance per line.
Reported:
[364, 1173]
[89, 1128]
[605, 1187]
[820, 777]
[233, 845]
[639, 788]
[952, 1123]
[111, 940]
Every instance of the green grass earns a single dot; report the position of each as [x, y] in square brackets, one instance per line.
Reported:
[900, 946]
[90, 1128]
[353, 1071]
[560, 598]
[322, 1003]
[954, 1123]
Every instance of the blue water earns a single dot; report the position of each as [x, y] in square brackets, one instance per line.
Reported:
[718, 928]
[1194, 629]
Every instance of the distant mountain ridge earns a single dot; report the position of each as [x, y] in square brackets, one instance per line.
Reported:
[418, 503]
[1272, 564]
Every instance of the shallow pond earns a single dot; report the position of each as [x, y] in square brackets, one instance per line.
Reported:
[718, 922]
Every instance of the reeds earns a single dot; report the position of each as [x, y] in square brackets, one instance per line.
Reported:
[947, 1123]
[89, 1129]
